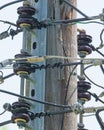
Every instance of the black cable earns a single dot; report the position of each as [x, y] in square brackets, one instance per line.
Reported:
[88, 115]
[101, 123]
[2, 112]
[10, 3]
[96, 97]
[66, 21]
[67, 2]
[96, 49]
[66, 88]
[102, 68]
[55, 65]
[41, 114]
[51, 113]
[89, 78]
[6, 122]
[8, 76]
[7, 22]
[99, 52]
[35, 100]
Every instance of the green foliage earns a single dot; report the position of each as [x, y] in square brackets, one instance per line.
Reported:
[4, 128]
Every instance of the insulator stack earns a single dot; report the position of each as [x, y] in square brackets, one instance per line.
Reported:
[21, 66]
[84, 47]
[83, 86]
[20, 113]
[25, 18]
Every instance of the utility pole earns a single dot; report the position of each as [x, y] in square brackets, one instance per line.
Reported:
[61, 40]
[36, 46]
[70, 43]
[51, 84]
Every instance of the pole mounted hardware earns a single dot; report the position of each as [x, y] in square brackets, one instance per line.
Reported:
[22, 67]
[21, 114]
[84, 41]
[26, 18]
[83, 86]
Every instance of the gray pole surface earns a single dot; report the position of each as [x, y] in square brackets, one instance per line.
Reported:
[36, 44]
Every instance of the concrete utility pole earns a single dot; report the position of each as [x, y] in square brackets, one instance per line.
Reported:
[50, 85]
[36, 45]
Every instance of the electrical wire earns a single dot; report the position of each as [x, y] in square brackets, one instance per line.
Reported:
[101, 39]
[35, 100]
[8, 76]
[7, 22]
[52, 22]
[102, 68]
[96, 97]
[68, 81]
[66, 92]
[89, 22]
[69, 3]
[66, 21]
[88, 115]
[6, 122]
[51, 113]
[55, 65]
[2, 112]
[96, 49]
[10, 3]
[89, 78]
[101, 123]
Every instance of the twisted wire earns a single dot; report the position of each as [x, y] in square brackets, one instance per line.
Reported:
[51, 113]
[55, 65]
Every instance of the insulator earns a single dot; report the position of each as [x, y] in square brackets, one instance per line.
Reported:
[28, 21]
[84, 50]
[22, 55]
[84, 96]
[26, 10]
[83, 86]
[25, 18]
[22, 67]
[83, 44]
[20, 114]
[21, 117]
[84, 39]
[20, 105]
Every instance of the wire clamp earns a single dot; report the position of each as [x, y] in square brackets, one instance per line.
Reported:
[77, 108]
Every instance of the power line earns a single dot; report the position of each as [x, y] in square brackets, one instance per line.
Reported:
[10, 3]
[35, 100]
[69, 3]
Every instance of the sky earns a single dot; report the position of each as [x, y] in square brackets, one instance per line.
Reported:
[9, 47]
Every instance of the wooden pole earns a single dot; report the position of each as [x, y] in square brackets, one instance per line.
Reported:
[70, 45]
[61, 40]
